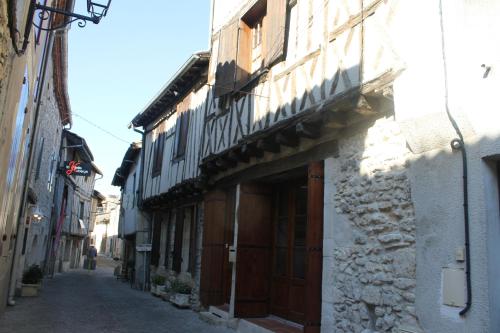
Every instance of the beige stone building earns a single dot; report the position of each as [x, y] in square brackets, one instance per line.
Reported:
[26, 52]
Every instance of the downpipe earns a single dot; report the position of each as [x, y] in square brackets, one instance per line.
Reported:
[458, 144]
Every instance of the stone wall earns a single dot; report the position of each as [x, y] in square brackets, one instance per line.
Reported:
[369, 265]
[4, 45]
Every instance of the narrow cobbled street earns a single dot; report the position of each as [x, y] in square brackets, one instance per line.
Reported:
[94, 301]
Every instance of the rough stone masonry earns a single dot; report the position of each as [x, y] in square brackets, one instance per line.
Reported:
[373, 256]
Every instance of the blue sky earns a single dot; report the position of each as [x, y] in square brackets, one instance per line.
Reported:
[116, 67]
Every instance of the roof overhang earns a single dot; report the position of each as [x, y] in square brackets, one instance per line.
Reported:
[60, 63]
[128, 160]
[80, 144]
[186, 77]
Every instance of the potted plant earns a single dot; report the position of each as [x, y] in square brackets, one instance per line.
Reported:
[181, 294]
[157, 284]
[31, 282]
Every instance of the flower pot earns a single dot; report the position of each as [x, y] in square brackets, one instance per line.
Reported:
[181, 300]
[156, 290]
[30, 290]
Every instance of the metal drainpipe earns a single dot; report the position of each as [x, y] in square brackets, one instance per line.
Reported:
[458, 144]
[22, 205]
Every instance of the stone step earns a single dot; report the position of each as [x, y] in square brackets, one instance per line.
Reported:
[244, 326]
[212, 319]
[219, 312]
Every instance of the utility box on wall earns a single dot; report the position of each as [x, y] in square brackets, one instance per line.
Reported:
[453, 286]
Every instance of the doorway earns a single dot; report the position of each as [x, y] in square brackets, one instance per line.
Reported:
[289, 250]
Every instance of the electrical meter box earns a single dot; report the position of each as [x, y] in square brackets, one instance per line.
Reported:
[454, 287]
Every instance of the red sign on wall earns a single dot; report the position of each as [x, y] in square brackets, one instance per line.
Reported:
[74, 168]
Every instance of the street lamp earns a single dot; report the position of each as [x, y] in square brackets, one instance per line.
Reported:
[37, 214]
[96, 9]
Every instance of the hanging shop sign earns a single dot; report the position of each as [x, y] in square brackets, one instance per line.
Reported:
[74, 168]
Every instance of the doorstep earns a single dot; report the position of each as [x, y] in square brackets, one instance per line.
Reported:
[269, 324]
[219, 315]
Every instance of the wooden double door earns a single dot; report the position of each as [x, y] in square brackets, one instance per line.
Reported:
[279, 248]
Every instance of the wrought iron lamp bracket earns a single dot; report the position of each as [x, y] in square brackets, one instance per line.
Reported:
[43, 13]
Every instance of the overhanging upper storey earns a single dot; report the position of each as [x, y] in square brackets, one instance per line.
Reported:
[287, 72]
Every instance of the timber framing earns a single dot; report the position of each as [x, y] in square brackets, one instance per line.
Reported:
[183, 193]
[356, 105]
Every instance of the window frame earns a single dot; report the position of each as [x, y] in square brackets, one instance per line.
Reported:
[159, 145]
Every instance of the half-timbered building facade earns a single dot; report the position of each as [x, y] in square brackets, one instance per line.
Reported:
[170, 186]
[318, 155]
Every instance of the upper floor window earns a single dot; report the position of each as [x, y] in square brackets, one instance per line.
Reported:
[159, 143]
[182, 127]
[249, 44]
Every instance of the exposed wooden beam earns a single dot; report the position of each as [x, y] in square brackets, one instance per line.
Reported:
[287, 138]
[308, 130]
[268, 145]
[225, 163]
[237, 156]
[250, 150]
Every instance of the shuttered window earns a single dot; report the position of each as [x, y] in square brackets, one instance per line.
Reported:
[182, 127]
[275, 31]
[250, 44]
[158, 153]
[226, 62]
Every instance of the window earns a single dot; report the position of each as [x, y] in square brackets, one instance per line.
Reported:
[51, 172]
[182, 127]
[248, 45]
[15, 148]
[39, 159]
[159, 143]
[81, 211]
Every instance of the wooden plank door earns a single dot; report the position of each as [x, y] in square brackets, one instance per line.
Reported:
[289, 250]
[253, 251]
[314, 243]
[228, 242]
[212, 261]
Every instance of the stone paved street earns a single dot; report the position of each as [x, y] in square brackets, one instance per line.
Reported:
[94, 302]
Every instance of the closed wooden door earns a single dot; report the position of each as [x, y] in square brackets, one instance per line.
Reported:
[253, 251]
[212, 262]
[289, 250]
[228, 242]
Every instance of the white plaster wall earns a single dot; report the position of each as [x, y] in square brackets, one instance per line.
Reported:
[456, 39]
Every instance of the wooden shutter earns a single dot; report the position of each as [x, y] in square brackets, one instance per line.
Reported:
[182, 126]
[155, 247]
[314, 245]
[226, 64]
[253, 257]
[158, 150]
[179, 227]
[244, 62]
[274, 31]
[213, 248]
